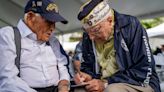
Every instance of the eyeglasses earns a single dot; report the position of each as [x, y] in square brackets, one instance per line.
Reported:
[94, 30]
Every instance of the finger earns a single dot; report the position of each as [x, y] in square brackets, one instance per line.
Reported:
[81, 77]
[94, 85]
[77, 79]
[90, 87]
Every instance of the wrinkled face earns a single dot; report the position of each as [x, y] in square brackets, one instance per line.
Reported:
[101, 31]
[40, 26]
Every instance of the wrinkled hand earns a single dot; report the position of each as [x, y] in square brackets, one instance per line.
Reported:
[95, 85]
[63, 89]
[63, 86]
[81, 77]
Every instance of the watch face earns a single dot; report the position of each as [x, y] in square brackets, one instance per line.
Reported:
[105, 85]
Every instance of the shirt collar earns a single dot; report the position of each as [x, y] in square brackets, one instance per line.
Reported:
[25, 30]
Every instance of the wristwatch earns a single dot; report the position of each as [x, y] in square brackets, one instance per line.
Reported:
[105, 85]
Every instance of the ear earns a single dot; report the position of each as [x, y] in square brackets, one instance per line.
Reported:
[110, 20]
[30, 16]
[30, 19]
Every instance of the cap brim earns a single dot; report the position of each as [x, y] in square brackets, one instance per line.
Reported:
[54, 17]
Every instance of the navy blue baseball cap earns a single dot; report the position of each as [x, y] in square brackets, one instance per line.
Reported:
[47, 9]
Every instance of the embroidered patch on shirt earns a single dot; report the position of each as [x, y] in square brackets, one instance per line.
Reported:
[124, 46]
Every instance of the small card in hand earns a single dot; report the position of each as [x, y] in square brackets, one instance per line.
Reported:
[79, 85]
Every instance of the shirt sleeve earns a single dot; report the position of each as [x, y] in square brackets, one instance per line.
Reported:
[78, 52]
[62, 59]
[9, 81]
[63, 65]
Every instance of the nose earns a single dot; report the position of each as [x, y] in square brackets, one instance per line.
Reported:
[51, 30]
[52, 27]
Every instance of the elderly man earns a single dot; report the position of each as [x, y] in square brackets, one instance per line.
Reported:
[116, 53]
[43, 67]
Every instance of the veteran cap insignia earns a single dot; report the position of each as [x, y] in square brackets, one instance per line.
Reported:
[52, 7]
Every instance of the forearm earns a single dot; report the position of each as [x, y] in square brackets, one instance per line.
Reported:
[77, 65]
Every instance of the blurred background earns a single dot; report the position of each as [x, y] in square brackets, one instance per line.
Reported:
[149, 12]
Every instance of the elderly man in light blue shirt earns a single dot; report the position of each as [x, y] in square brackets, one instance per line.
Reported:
[43, 68]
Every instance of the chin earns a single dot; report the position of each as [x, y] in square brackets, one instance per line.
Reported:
[45, 39]
[100, 40]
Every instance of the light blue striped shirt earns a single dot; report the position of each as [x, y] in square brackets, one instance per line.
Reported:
[38, 62]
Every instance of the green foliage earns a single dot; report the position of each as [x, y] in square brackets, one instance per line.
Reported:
[76, 37]
[149, 23]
